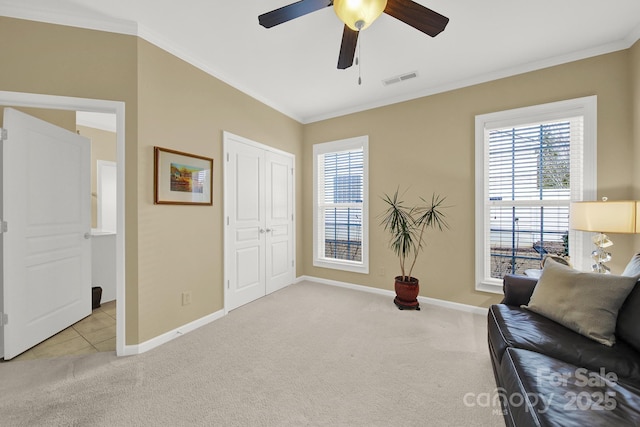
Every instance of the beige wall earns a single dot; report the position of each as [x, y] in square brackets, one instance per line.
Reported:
[64, 119]
[427, 144]
[103, 147]
[181, 247]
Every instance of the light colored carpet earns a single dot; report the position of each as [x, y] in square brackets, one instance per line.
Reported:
[308, 355]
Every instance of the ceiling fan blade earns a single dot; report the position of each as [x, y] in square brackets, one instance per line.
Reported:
[418, 16]
[348, 48]
[292, 11]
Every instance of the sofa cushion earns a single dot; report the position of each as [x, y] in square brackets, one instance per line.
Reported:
[629, 315]
[516, 327]
[587, 303]
[544, 391]
[628, 328]
[517, 289]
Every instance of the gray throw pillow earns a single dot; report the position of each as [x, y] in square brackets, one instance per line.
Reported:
[587, 303]
[633, 268]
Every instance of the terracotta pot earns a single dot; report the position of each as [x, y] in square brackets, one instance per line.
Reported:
[407, 293]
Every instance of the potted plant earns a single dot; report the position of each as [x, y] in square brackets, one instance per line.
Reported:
[407, 226]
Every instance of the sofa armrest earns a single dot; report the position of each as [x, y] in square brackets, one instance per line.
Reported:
[518, 289]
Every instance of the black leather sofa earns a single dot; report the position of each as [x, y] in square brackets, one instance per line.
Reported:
[549, 375]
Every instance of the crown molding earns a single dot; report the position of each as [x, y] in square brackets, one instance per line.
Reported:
[625, 43]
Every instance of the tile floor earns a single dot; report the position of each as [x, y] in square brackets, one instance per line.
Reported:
[93, 334]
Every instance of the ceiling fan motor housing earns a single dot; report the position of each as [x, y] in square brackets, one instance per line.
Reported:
[359, 14]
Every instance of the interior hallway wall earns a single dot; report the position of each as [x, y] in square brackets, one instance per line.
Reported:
[103, 147]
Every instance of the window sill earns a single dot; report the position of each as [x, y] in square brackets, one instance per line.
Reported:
[492, 287]
[344, 266]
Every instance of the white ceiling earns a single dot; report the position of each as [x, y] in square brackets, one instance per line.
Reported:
[292, 67]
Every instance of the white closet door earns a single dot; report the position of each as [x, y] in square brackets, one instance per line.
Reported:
[246, 241]
[259, 232]
[279, 221]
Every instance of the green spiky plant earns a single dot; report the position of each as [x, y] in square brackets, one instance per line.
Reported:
[408, 224]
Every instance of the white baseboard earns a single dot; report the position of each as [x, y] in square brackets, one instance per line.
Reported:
[424, 300]
[130, 350]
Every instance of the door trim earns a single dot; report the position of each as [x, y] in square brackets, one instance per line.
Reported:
[19, 99]
[230, 138]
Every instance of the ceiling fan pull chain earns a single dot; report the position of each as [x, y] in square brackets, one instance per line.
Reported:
[358, 62]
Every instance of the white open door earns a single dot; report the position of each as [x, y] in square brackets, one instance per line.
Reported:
[46, 204]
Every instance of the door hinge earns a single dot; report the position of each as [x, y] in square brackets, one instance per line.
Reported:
[227, 157]
[292, 263]
[227, 220]
[5, 226]
[4, 134]
[4, 319]
[228, 284]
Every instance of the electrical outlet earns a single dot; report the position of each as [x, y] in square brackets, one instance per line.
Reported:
[186, 298]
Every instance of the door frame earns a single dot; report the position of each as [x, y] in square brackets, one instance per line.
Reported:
[227, 139]
[53, 102]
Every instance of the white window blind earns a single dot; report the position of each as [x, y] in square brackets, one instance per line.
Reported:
[529, 172]
[340, 209]
[529, 189]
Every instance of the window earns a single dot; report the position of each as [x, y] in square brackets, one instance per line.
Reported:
[340, 213]
[531, 163]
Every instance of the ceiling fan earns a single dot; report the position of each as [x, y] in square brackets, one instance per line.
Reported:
[358, 15]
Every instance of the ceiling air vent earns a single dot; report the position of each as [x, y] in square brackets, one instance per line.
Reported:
[400, 78]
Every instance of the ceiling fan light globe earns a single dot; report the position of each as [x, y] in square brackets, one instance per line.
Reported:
[358, 14]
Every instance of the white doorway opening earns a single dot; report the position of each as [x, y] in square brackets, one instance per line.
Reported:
[17, 99]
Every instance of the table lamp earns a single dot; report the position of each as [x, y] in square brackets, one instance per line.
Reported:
[620, 216]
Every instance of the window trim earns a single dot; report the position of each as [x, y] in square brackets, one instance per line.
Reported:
[585, 107]
[335, 146]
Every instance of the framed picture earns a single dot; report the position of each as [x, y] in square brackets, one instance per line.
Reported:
[182, 178]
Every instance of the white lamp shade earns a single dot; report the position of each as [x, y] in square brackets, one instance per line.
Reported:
[606, 217]
[353, 12]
